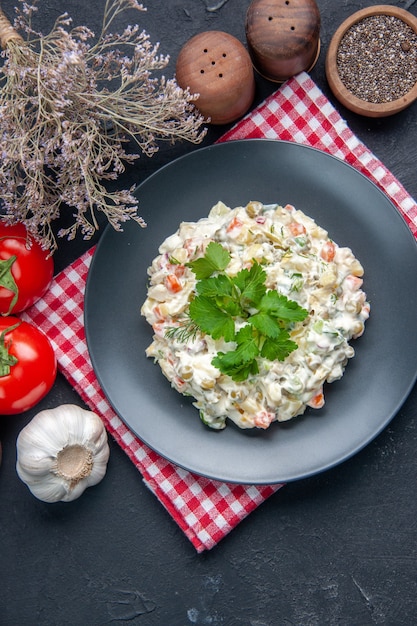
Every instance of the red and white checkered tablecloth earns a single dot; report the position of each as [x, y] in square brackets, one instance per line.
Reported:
[206, 510]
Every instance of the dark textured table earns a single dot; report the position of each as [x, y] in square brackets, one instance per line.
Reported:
[338, 548]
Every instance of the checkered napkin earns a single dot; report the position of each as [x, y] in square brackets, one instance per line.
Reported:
[206, 510]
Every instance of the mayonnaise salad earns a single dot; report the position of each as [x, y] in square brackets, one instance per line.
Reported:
[302, 263]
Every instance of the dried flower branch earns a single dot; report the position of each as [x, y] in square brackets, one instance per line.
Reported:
[69, 105]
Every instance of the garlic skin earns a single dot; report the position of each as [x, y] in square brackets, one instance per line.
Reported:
[61, 452]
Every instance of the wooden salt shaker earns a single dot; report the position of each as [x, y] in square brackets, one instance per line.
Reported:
[283, 37]
[218, 67]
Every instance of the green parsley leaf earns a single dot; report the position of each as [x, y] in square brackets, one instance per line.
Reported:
[222, 299]
[241, 362]
[221, 289]
[251, 284]
[266, 324]
[247, 342]
[237, 371]
[278, 348]
[281, 307]
[215, 259]
[220, 285]
[212, 320]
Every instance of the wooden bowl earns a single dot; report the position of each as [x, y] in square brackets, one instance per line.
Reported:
[218, 67]
[283, 37]
[342, 93]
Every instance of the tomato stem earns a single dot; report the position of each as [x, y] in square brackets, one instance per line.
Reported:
[7, 280]
[7, 360]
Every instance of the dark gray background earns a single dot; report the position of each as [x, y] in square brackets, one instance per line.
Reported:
[338, 549]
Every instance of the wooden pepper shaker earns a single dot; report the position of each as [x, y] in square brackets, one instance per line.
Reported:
[218, 67]
[283, 37]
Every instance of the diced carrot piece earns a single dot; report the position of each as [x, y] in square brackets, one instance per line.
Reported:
[328, 251]
[172, 283]
[235, 223]
[354, 282]
[158, 314]
[159, 329]
[296, 229]
[317, 402]
[263, 419]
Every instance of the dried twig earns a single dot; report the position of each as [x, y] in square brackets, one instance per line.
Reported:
[69, 104]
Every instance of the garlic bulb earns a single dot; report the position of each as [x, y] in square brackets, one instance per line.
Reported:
[61, 452]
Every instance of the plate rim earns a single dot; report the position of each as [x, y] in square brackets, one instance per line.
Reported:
[101, 243]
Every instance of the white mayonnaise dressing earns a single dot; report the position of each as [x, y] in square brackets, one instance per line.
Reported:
[301, 262]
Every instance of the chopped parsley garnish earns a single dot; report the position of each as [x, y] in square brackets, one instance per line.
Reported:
[216, 258]
[241, 309]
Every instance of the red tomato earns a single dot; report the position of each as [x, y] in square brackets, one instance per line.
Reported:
[28, 365]
[25, 273]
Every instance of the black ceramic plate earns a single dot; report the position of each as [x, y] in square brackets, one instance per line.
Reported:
[376, 382]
